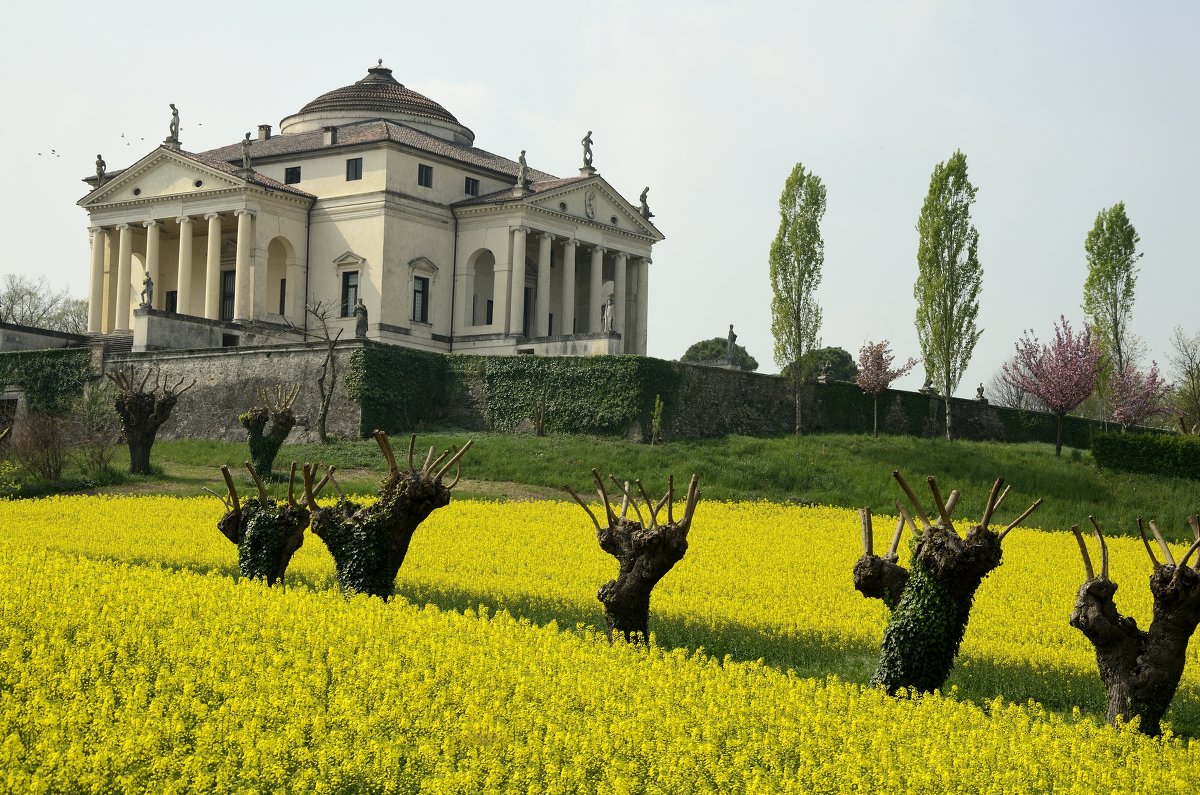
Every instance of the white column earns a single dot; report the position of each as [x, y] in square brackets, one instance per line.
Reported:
[620, 285]
[124, 285]
[243, 264]
[153, 229]
[541, 304]
[567, 324]
[516, 300]
[594, 299]
[212, 269]
[183, 291]
[96, 293]
[643, 304]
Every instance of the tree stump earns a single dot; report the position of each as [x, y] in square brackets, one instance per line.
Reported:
[267, 532]
[930, 604]
[1140, 669]
[369, 542]
[645, 551]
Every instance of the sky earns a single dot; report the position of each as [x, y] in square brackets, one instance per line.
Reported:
[1062, 109]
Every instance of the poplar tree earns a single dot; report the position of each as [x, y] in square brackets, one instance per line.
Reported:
[949, 278]
[1111, 249]
[797, 254]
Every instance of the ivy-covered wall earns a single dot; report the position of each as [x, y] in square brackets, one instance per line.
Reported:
[50, 379]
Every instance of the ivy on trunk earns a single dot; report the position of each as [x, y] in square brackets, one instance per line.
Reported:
[143, 411]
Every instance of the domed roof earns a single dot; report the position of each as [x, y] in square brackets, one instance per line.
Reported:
[381, 92]
[377, 96]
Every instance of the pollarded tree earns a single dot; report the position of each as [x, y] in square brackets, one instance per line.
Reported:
[1136, 396]
[876, 374]
[949, 278]
[645, 550]
[797, 254]
[267, 424]
[1140, 669]
[1061, 375]
[1112, 256]
[931, 604]
[143, 411]
[369, 542]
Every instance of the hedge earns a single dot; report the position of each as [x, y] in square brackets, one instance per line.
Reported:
[50, 379]
[1150, 454]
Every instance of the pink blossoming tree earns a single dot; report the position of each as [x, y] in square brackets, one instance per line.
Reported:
[1061, 374]
[875, 371]
[1136, 396]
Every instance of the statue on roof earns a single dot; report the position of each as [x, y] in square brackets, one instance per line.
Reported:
[645, 208]
[730, 345]
[101, 168]
[246, 153]
[587, 149]
[174, 136]
[522, 171]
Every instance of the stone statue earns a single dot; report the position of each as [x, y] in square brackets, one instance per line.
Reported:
[589, 204]
[174, 136]
[979, 394]
[360, 319]
[730, 345]
[101, 168]
[645, 210]
[522, 171]
[607, 313]
[246, 153]
[147, 292]
[587, 149]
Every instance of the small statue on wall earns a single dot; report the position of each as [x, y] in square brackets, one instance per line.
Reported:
[360, 319]
[730, 345]
[147, 292]
[608, 314]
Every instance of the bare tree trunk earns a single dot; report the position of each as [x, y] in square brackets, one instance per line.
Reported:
[143, 412]
[799, 400]
[946, 399]
[1058, 437]
[875, 417]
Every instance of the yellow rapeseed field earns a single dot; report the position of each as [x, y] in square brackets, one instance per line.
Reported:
[131, 659]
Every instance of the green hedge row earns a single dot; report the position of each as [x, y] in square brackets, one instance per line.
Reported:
[1151, 454]
[400, 389]
[50, 379]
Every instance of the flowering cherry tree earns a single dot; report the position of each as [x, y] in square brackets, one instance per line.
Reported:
[1136, 395]
[1061, 374]
[875, 371]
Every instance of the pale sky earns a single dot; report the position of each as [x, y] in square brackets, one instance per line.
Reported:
[1061, 108]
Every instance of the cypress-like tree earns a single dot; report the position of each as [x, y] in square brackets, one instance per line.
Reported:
[1112, 254]
[949, 278]
[797, 254]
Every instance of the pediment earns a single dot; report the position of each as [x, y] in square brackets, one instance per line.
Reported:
[162, 173]
[349, 260]
[596, 201]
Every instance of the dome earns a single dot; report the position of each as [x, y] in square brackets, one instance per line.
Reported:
[377, 96]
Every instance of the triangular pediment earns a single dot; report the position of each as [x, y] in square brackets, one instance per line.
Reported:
[162, 173]
[594, 200]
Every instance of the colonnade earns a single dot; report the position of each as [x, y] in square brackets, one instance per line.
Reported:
[127, 284]
[510, 277]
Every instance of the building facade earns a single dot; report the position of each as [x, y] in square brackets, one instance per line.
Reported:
[372, 208]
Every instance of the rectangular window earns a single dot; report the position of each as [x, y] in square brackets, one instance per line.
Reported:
[425, 175]
[349, 292]
[172, 301]
[228, 280]
[472, 186]
[291, 175]
[282, 295]
[489, 311]
[420, 299]
[353, 169]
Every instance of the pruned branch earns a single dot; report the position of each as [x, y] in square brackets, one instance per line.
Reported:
[1021, 518]
[912, 498]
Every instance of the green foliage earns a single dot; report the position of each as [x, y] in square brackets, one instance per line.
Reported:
[836, 363]
[265, 440]
[9, 486]
[398, 388]
[949, 277]
[712, 350]
[1173, 455]
[273, 532]
[797, 254]
[656, 422]
[1111, 248]
[923, 635]
[50, 379]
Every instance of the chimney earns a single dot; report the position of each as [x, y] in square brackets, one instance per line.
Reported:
[264, 132]
[330, 135]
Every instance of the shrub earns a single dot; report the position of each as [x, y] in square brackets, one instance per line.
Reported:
[96, 431]
[1150, 454]
[40, 444]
